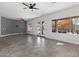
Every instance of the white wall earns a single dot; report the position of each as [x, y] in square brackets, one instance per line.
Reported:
[74, 11]
[0, 26]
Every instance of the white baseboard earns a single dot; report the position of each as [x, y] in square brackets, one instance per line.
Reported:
[72, 42]
[11, 34]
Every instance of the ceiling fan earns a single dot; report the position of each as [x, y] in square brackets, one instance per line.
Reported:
[30, 6]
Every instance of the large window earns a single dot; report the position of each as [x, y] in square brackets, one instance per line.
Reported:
[75, 25]
[66, 25]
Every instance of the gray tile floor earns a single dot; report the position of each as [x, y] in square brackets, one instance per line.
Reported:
[33, 46]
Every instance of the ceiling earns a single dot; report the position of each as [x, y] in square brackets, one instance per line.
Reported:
[15, 9]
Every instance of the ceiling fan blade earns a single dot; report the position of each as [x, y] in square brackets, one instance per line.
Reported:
[36, 8]
[34, 4]
[25, 4]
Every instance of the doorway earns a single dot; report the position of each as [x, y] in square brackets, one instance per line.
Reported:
[40, 28]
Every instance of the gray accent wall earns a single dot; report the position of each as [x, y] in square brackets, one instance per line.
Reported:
[9, 26]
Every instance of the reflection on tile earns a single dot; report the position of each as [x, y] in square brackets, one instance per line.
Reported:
[29, 40]
[40, 42]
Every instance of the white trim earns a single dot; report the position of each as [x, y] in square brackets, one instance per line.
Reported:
[11, 34]
[72, 42]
